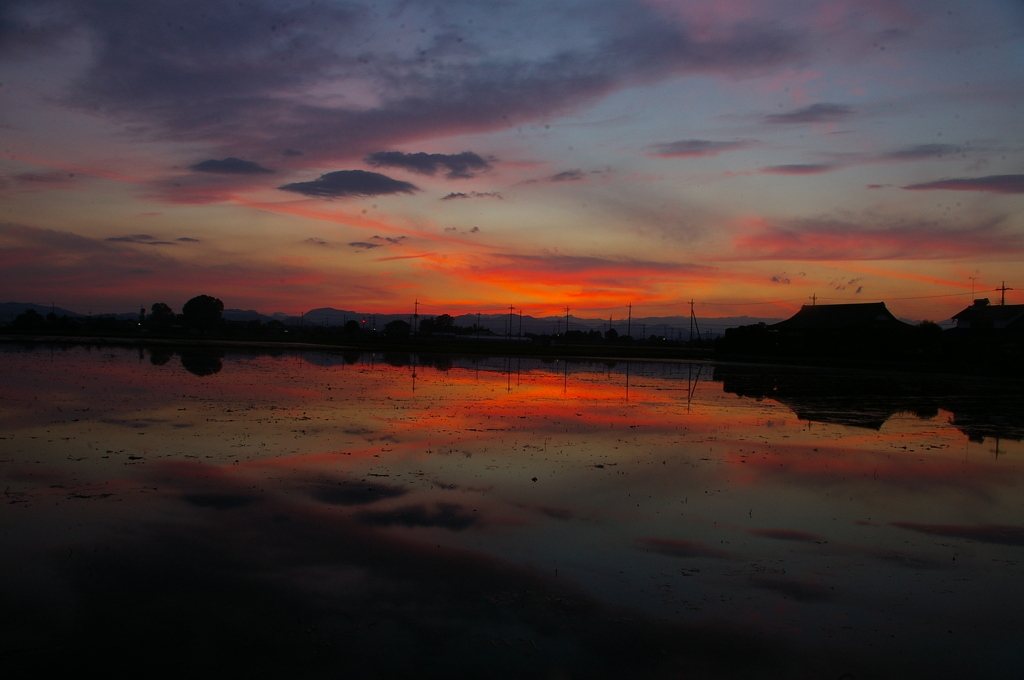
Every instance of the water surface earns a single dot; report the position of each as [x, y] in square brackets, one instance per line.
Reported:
[381, 515]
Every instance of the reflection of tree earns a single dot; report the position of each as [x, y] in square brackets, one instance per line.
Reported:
[397, 359]
[158, 356]
[981, 408]
[202, 361]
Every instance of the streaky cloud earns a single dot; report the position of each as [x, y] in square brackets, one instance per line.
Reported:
[255, 92]
[832, 239]
[918, 152]
[343, 183]
[798, 169]
[995, 184]
[821, 112]
[697, 148]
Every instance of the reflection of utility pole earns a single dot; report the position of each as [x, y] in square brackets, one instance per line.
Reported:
[1003, 288]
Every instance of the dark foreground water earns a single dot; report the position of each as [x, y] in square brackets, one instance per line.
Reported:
[317, 515]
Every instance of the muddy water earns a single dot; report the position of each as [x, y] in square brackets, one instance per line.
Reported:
[381, 515]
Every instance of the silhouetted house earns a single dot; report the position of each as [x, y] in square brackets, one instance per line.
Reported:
[983, 316]
[987, 334]
[852, 317]
[863, 330]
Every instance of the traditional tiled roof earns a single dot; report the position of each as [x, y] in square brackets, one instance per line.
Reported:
[838, 317]
[984, 315]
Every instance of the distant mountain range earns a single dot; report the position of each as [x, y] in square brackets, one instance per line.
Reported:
[673, 327]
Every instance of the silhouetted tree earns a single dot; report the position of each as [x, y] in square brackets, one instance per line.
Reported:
[161, 315]
[202, 312]
[351, 327]
[611, 334]
[397, 329]
[30, 321]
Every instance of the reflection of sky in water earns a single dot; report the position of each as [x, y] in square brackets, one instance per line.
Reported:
[579, 516]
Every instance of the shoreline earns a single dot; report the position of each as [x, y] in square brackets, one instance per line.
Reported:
[516, 349]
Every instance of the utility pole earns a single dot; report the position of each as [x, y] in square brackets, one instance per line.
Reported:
[814, 300]
[629, 320]
[510, 318]
[973, 279]
[567, 320]
[693, 322]
[1003, 288]
[520, 324]
[478, 326]
[415, 315]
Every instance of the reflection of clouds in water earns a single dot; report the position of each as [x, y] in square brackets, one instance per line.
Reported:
[445, 515]
[985, 533]
[219, 501]
[287, 589]
[347, 492]
[801, 591]
[681, 548]
[786, 535]
[292, 506]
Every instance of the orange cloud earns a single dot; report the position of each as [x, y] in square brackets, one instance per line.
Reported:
[821, 240]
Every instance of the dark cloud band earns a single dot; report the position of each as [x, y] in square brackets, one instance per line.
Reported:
[696, 148]
[344, 183]
[996, 184]
[459, 165]
[815, 113]
[230, 166]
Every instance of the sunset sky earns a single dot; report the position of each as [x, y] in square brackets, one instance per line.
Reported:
[470, 155]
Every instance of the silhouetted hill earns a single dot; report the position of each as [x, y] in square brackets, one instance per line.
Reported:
[670, 327]
[9, 310]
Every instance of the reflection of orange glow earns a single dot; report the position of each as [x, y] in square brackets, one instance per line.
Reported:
[850, 464]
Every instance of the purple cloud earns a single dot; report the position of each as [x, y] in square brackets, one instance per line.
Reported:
[815, 113]
[798, 169]
[459, 165]
[230, 166]
[344, 183]
[996, 184]
[697, 148]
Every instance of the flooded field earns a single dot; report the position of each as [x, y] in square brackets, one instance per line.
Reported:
[353, 515]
